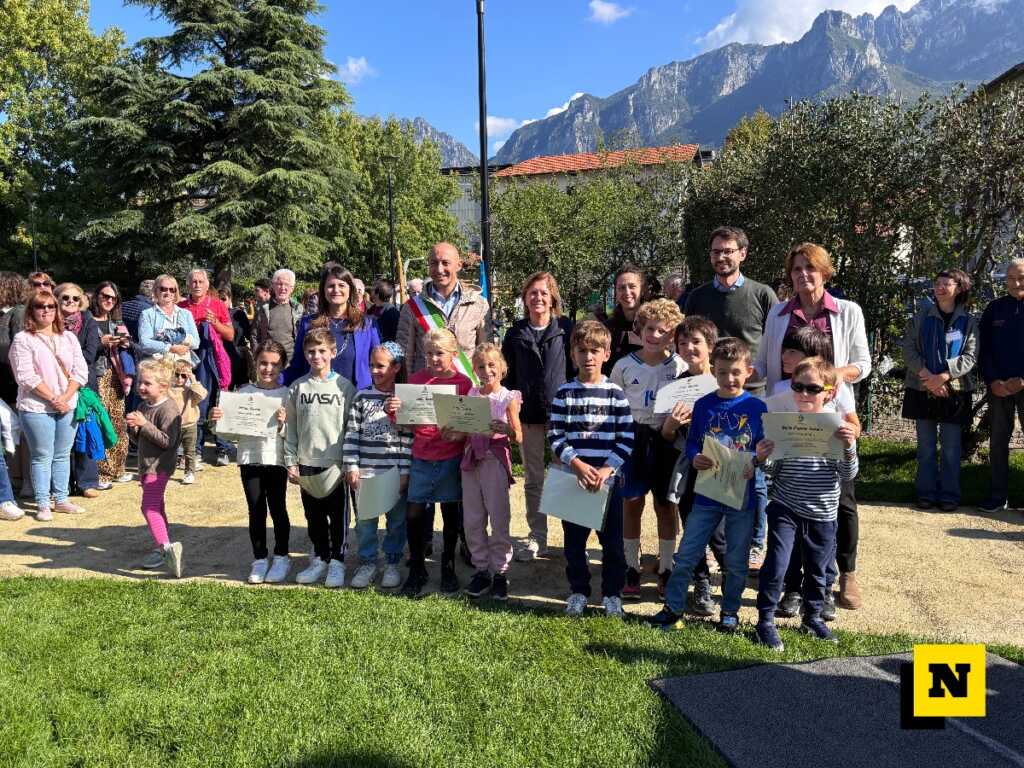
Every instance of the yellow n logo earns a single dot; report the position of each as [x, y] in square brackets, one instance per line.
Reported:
[949, 681]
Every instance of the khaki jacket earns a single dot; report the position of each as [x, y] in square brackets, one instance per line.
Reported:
[468, 321]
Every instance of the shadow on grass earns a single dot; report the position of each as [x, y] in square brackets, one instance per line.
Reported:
[353, 759]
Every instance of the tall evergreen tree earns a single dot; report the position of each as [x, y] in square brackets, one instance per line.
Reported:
[208, 140]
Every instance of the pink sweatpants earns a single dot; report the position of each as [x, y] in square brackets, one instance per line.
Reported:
[153, 507]
[485, 497]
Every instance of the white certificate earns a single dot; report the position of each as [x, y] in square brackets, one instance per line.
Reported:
[803, 434]
[418, 402]
[377, 494]
[565, 499]
[464, 413]
[688, 390]
[248, 414]
[724, 482]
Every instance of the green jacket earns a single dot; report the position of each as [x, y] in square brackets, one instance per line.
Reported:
[89, 401]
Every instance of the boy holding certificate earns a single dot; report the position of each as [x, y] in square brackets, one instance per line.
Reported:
[591, 433]
[731, 416]
[804, 507]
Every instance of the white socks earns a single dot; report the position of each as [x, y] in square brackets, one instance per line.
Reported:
[666, 550]
[632, 549]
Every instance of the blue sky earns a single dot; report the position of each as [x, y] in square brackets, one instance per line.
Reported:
[418, 57]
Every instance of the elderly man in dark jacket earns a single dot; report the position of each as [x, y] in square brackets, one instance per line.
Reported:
[536, 349]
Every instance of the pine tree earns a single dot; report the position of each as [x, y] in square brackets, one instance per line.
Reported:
[208, 140]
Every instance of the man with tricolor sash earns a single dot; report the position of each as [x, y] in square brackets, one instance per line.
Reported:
[444, 302]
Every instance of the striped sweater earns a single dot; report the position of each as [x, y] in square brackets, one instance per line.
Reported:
[591, 422]
[373, 443]
[809, 485]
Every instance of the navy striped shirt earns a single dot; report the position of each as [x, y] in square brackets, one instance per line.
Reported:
[373, 443]
[591, 422]
[809, 485]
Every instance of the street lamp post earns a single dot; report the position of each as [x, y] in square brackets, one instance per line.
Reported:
[485, 209]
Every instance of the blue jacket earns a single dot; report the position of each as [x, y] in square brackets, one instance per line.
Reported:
[89, 439]
[1002, 340]
[366, 337]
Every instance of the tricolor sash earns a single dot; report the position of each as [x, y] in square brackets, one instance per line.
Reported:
[429, 316]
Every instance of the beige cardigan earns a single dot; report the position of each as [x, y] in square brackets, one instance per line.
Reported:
[468, 321]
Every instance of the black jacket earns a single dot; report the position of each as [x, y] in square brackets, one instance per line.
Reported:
[537, 370]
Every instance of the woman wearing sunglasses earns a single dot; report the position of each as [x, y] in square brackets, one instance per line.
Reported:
[808, 268]
[114, 371]
[49, 367]
[71, 303]
[166, 328]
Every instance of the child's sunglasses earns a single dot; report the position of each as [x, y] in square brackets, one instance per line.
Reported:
[810, 389]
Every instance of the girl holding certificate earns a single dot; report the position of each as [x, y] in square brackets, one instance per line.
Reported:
[264, 478]
[434, 475]
[487, 475]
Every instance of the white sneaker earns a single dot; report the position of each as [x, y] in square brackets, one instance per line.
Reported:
[576, 604]
[104, 485]
[531, 551]
[188, 479]
[258, 574]
[173, 557]
[69, 507]
[127, 477]
[223, 459]
[335, 575]
[365, 574]
[280, 567]
[11, 511]
[613, 607]
[392, 577]
[200, 464]
[44, 514]
[153, 561]
[316, 571]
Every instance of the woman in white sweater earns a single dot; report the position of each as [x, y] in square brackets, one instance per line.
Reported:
[808, 268]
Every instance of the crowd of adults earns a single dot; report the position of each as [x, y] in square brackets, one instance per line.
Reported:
[65, 353]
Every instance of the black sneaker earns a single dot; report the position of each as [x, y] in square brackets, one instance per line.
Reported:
[817, 628]
[449, 581]
[632, 589]
[789, 605]
[992, 505]
[663, 578]
[925, 504]
[665, 619]
[499, 587]
[768, 634]
[828, 607]
[414, 582]
[729, 623]
[701, 603]
[479, 585]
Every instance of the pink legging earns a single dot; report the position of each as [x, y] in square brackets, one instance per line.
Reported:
[153, 507]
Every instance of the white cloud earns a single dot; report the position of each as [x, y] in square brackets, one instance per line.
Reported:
[777, 21]
[355, 70]
[497, 145]
[559, 110]
[604, 12]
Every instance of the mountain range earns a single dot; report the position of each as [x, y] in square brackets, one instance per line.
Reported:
[930, 47]
[453, 152]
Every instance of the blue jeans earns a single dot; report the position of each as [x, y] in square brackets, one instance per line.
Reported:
[938, 476]
[202, 431]
[50, 437]
[760, 533]
[394, 539]
[6, 491]
[700, 525]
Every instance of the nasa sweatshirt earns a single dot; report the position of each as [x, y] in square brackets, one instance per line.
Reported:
[317, 413]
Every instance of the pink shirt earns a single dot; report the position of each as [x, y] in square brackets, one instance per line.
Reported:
[427, 443]
[478, 447]
[33, 363]
[198, 309]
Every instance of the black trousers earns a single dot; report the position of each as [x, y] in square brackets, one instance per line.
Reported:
[419, 527]
[327, 521]
[265, 488]
[847, 534]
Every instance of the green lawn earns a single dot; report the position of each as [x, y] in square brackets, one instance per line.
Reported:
[887, 470]
[105, 673]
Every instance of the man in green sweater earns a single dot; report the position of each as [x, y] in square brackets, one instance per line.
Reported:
[733, 302]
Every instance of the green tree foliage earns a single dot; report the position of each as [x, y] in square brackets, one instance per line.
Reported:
[421, 194]
[208, 141]
[582, 229]
[46, 53]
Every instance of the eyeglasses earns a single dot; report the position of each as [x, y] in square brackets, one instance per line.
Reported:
[724, 251]
[810, 389]
[108, 297]
[167, 289]
[70, 299]
[45, 307]
[40, 284]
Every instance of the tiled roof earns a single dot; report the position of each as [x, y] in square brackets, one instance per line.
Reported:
[591, 161]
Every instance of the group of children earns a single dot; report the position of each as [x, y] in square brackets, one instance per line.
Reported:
[329, 439]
